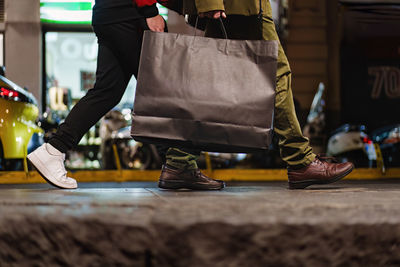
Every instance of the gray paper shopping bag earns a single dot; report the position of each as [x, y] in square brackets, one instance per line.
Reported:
[205, 93]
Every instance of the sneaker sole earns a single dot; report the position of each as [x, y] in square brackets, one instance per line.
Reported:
[36, 163]
[304, 184]
[177, 184]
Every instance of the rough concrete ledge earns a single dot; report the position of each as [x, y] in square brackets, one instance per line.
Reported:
[137, 224]
[28, 241]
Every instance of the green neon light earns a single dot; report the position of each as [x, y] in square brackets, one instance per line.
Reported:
[72, 6]
[73, 12]
[50, 21]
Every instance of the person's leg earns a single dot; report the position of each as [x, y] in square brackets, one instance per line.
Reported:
[119, 48]
[294, 146]
[118, 59]
[304, 167]
[110, 85]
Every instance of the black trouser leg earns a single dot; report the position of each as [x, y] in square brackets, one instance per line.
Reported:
[118, 59]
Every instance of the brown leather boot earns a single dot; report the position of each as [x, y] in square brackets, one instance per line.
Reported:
[318, 172]
[187, 179]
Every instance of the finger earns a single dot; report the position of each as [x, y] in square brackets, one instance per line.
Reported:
[217, 15]
[223, 14]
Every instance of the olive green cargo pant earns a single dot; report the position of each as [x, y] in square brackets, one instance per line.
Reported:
[294, 147]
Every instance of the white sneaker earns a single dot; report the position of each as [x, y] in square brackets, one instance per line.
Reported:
[50, 164]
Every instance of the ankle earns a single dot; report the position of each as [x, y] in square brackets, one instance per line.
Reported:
[181, 166]
[171, 167]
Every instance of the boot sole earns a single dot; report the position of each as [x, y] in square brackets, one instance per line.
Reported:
[304, 184]
[34, 161]
[177, 184]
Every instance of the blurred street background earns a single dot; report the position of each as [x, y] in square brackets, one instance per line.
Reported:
[345, 62]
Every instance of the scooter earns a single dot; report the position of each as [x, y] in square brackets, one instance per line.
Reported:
[133, 154]
[352, 143]
[119, 150]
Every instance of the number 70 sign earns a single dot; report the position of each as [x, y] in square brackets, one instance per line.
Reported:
[387, 81]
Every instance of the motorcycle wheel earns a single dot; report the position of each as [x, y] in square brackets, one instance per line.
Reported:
[138, 158]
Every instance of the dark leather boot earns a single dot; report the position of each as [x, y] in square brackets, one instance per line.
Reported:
[187, 179]
[320, 171]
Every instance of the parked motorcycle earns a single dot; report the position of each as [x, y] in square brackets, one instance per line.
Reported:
[352, 143]
[119, 150]
[133, 154]
[388, 138]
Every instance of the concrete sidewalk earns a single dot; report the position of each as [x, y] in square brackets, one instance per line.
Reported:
[253, 224]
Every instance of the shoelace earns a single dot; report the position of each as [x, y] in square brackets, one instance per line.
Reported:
[197, 173]
[63, 176]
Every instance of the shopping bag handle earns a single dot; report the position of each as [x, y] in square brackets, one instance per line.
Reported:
[222, 27]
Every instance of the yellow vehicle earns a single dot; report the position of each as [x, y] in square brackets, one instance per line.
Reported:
[18, 130]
